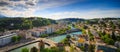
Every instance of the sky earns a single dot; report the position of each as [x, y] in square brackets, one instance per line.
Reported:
[59, 9]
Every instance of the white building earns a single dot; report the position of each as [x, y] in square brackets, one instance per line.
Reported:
[28, 35]
[38, 32]
[6, 39]
[50, 30]
[42, 30]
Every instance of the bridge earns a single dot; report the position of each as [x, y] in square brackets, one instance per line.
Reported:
[9, 48]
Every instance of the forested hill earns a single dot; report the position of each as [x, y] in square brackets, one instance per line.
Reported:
[72, 19]
[23, 23]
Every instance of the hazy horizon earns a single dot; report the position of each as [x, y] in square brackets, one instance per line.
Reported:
[60, 9]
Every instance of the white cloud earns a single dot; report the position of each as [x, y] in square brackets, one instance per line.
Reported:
[85, 15]
[28, 7]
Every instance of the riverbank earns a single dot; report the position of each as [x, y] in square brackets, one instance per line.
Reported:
[60, 34]
[67, 32]
[61, 37]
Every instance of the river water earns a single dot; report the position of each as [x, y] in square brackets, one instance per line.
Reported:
[61, 37]
[28, 46]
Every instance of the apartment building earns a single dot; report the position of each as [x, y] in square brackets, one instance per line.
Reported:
[6, 39]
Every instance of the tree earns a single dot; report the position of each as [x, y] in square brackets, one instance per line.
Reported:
[118, 38]
[71, 48]
[82, 48]
[68, 37]
[16, 38]
[23, 23]
[52, 49]
[34, 49]
[27, 24]
[25, 50]
[118, 50]
[91, 48]
[113, 36]
[109, 41]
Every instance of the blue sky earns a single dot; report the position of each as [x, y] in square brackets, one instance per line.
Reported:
[57, 9]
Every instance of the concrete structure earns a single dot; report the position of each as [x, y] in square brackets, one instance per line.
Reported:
[28, 35]
[38, 32]
[25, 34]
[42, 30]
[6, 39]
[47, 29]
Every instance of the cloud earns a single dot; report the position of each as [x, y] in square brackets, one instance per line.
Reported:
[28, 7]
[14, 0]
[2, 3]
[86, 15]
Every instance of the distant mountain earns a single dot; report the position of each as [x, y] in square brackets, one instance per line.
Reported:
[72, 19]
[106, 18]
[2, 16]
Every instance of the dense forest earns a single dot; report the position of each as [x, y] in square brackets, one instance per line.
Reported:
[23, 23]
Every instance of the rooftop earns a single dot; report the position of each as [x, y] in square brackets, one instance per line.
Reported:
[7, 35]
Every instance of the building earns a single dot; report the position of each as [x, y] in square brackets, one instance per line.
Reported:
[38, 32]
[25, 34]
[42, 30]
[6, 39]
[49, 30]
[46, 29]
[81, 42]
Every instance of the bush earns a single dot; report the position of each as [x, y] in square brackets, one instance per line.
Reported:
[25, 50]
[16, 38]
[82, 48]
[109, 41]
[118, 50]
[34, 49]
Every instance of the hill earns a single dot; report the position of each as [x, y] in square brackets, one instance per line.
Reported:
[72, 19]
[23, 23]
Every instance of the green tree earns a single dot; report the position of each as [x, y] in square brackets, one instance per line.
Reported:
[82, 48]
[109, 41]
[13, 38]
[71, 48]
[34, 49]
[91, 48]
[27, 24]
[113, 36]
[52, 49]
[25, 50]
[16, 38]
[118, 49]
[68, 37]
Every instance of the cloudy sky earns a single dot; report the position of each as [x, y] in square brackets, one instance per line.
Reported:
[57, 9]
